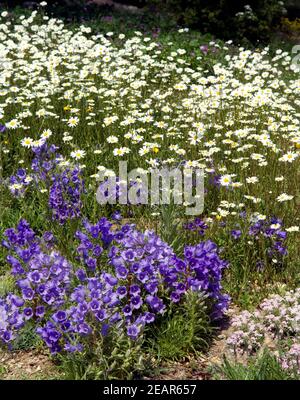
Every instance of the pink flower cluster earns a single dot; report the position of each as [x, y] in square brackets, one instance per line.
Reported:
[275, 325]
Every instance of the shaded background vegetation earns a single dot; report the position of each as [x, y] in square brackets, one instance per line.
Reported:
[240, 20]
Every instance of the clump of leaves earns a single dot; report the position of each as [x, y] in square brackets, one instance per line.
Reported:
[169, 229]
[116, 356]
[266, 367]
[27, 339]
[7, 284]
[2, 371]
[187, 330]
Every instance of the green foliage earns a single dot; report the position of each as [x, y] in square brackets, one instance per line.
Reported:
[247, 283]
[7, 284]
[170, 229]
[2, 371]
[188, 330]
[264, 368]
[250, 19]
[71, 9]
[114, 357]
[27, 339]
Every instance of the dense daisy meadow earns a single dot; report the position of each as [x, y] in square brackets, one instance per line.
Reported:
[118, 291]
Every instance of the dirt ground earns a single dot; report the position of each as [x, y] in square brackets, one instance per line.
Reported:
[24, 365]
